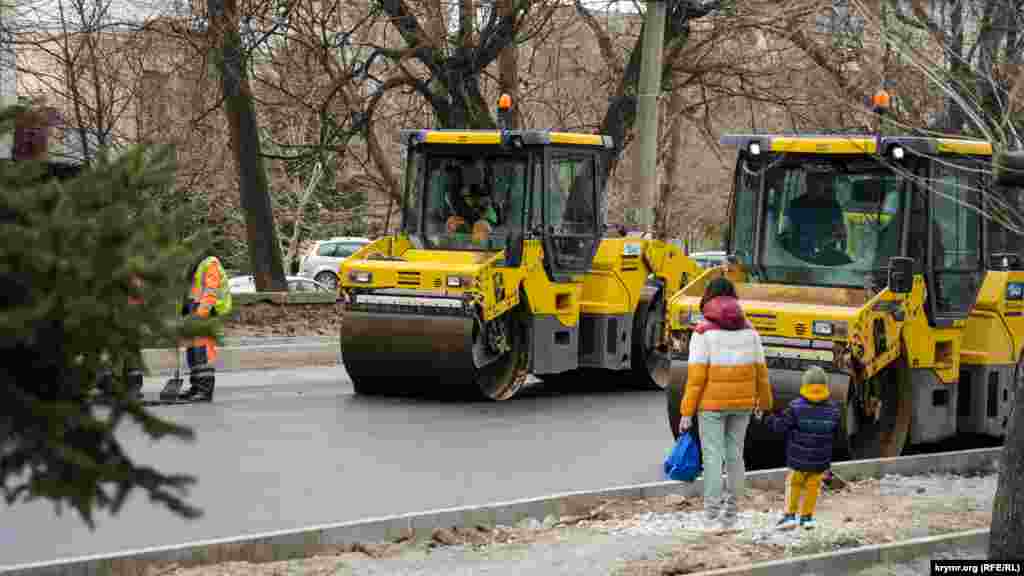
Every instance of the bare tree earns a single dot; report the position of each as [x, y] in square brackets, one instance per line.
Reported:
[74, 54]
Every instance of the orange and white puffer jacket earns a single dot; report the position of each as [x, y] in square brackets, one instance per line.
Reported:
[726, 368]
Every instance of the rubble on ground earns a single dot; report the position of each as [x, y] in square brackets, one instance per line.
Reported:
[294, 320]
[666, 535]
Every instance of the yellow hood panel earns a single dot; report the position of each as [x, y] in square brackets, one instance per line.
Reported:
[428, 262]
[819, 311]
[449, 257]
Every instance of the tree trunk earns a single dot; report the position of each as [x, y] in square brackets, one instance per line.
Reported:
[959, 71]
[305, 195]
[264, 250]
[1006, 534]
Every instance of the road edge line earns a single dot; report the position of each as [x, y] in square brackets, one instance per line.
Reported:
[161, 361]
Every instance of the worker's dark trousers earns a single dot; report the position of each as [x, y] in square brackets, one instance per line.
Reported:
[132, 375]
[201, 372]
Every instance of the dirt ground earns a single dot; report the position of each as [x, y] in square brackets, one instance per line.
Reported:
[266, 319]
[861, 513]
[856, 516]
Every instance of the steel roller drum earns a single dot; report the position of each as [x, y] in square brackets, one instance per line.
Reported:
[401, 353]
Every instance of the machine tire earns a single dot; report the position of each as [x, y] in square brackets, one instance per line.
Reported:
[504, 378]
[650, 366]
[674, 397]
[886, 438]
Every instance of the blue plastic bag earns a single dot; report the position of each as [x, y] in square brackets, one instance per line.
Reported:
[683, 462]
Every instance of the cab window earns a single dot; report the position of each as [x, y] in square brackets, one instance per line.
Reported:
[956, 238]
[472, 202]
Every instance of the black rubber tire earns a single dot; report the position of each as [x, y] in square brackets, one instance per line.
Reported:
[889, 436]
[504, 378]
[650, 368]
[673, 398]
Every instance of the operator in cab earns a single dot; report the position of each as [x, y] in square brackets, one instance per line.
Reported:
[473, 205]
[817, 225]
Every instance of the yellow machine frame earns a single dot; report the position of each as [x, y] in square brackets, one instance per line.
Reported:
[903, 376]
[418, 317]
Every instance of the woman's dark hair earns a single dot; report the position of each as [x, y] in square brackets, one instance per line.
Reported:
[720, 286]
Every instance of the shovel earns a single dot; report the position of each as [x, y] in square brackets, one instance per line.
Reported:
[174, 384]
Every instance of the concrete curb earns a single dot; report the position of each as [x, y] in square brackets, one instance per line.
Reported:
[304, 542]
[846, 561]
[160, 361]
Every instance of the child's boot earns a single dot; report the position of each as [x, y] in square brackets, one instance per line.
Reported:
[787, 522]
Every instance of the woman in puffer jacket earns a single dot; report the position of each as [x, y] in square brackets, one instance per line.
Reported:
[727, 379]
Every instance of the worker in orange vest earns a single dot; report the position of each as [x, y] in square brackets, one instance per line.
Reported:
[132, 373]
[133, 362]
[207, 296]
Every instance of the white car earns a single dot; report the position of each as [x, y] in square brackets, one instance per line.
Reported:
[323, 260]
[247, 285]
[709, 259]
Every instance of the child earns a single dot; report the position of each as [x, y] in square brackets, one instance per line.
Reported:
[810, 424]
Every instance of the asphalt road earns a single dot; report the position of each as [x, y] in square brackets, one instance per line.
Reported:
[285, 449]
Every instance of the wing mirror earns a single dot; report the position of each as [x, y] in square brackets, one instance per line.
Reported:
[901, 275]
[514, 249]
[1006, 261]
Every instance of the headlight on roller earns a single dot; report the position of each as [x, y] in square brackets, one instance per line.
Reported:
[360, 276]
[460, 282]
[829, 328]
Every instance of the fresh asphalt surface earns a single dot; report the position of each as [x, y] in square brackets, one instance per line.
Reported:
[283, 449]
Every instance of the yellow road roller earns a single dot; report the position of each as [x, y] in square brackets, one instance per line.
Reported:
[892, 262]
[501, 270]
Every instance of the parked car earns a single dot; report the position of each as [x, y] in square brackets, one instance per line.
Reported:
[324, 259]
[247, 284]
[709, 259]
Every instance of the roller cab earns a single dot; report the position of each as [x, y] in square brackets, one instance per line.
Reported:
[871, 257]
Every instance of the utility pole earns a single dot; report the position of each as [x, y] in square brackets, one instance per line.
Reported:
[646, 157]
